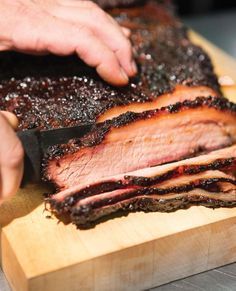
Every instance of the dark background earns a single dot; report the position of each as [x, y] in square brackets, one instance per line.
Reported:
[215, 20]
[194, 7]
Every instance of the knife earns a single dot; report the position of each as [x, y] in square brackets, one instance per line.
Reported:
[36, 142]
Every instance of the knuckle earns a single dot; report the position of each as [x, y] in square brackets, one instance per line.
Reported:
[83, 30]
[84, 54]
[38, 43]
[21, 9]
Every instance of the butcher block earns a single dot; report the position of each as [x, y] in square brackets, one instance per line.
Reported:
[135, 252]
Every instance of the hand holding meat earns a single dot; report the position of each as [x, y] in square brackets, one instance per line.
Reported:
[11, 156]
[65, 27]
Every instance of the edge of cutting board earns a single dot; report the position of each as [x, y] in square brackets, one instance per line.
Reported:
[127, 253]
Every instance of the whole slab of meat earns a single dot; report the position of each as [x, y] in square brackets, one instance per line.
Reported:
[166, 141]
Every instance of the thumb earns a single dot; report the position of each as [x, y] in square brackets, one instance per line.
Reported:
[11, 118]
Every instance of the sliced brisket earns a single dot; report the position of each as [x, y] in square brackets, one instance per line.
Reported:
[139, 140]
[117, 166]
[86, 215]
[49, 92]
[213, 187]
[224, 160]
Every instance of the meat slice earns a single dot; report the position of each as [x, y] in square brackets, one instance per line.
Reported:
[177, 185]
[86, 216]
[214, 187]
[139, 140]
[179, 94]
[224, 160]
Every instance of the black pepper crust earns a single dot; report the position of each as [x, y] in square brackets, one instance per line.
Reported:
[146, 204]
[219, 164]
[100, 130]
[210, 184]
[50, 92]
[137, 200]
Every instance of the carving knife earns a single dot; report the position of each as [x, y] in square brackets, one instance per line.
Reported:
[36, 142]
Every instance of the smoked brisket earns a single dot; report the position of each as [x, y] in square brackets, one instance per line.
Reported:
[50, 92]
[139, 140]
[172, 110]
[220, 160]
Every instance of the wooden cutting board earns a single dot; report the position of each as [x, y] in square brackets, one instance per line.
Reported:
[127, 253]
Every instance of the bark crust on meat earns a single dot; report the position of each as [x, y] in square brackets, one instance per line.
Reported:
[51, 92]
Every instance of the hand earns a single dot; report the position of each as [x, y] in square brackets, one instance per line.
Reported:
[11, 156]
[63, 27]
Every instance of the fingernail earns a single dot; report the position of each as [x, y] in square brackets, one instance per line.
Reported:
[124, 75]
[134, 67]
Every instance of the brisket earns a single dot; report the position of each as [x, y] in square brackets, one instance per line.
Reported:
[223, 160]
[139, 140]
[205, 180]
[148, 201]
[172, 110]
[218, 187]
[50, 92]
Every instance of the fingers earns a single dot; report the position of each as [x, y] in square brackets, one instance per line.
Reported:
[98, 55]
[108, 31]
[11, 159]
[63, 38]
[11, 118]
[103, 59]
[72, 30]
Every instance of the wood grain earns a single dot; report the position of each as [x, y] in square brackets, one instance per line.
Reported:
[136, 252]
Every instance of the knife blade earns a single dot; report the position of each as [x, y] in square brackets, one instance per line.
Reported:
[35, 143]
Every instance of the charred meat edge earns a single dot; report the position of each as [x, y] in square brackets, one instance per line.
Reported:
[66, 204]
[109, 185]
[154, 199]
[98, 133]
[196, 197]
